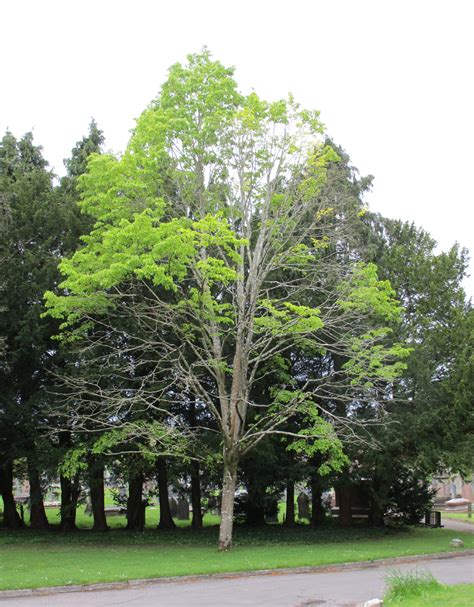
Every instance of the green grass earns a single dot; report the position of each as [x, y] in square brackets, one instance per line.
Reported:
[423, 590]
[31, 559]
[85, 521]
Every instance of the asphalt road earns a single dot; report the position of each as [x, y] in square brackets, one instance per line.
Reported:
[336, 589]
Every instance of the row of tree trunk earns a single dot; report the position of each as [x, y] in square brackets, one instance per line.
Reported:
[70, 492]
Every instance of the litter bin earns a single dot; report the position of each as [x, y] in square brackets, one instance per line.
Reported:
[433, 518]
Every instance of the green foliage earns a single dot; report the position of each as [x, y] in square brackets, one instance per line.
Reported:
[147, 437]
[372, 359]
[30, 222]
[319, 437]
[433, 424]
[365, 293]
[76, 165]
[283, 318]
[410, 496]
[74, 462]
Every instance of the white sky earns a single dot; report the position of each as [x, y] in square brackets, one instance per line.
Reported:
[394, 81]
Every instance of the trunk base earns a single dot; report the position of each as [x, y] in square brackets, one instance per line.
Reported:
[166, 520]
[227, 503]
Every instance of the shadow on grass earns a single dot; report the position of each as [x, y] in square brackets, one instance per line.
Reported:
[243, 535]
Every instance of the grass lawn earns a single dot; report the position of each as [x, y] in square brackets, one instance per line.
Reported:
[31, 559]
[85, 521]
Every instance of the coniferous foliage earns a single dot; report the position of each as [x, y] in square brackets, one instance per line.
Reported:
[39, 224]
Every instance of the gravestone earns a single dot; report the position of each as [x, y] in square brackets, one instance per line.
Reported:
[303, 506]
[214, 505]
[183, 510]
[88, 508]
[272, 518]
[173, 507]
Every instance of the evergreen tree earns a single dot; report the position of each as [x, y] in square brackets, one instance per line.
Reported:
[431, 425]
[38, 224]
[28, 266]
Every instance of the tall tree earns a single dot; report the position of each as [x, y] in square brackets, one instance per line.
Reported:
[28, 227]
[210, 234]
[38, 225]
[431, 425]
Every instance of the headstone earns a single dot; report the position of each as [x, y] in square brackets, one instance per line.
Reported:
[456, 543]
[88, 508]
[115, 510]
[272, 518]
[303, 506]
[373, 603]
[173, 507]
[213, 505]
[183, 510]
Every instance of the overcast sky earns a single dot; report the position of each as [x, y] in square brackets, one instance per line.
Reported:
[394, 81]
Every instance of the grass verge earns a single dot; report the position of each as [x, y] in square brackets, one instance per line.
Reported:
[31, 559]
[421, 589]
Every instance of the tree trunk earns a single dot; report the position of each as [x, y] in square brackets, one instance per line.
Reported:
[376, 514]
[76, 491]
[11, 518]
[255, 507]
[96, 487]
[69, 496]
[69, 491]
[290, 504]
[196, 495]
[135, 505]
[345, 505]
[229, 483]
[38, 518]
[317, 511]
[195, 477]
[166, 520]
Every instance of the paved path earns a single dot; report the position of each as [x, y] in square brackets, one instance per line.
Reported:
[336, 589]
[457, 525]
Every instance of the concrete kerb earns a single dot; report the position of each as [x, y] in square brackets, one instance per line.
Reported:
[48, 590]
